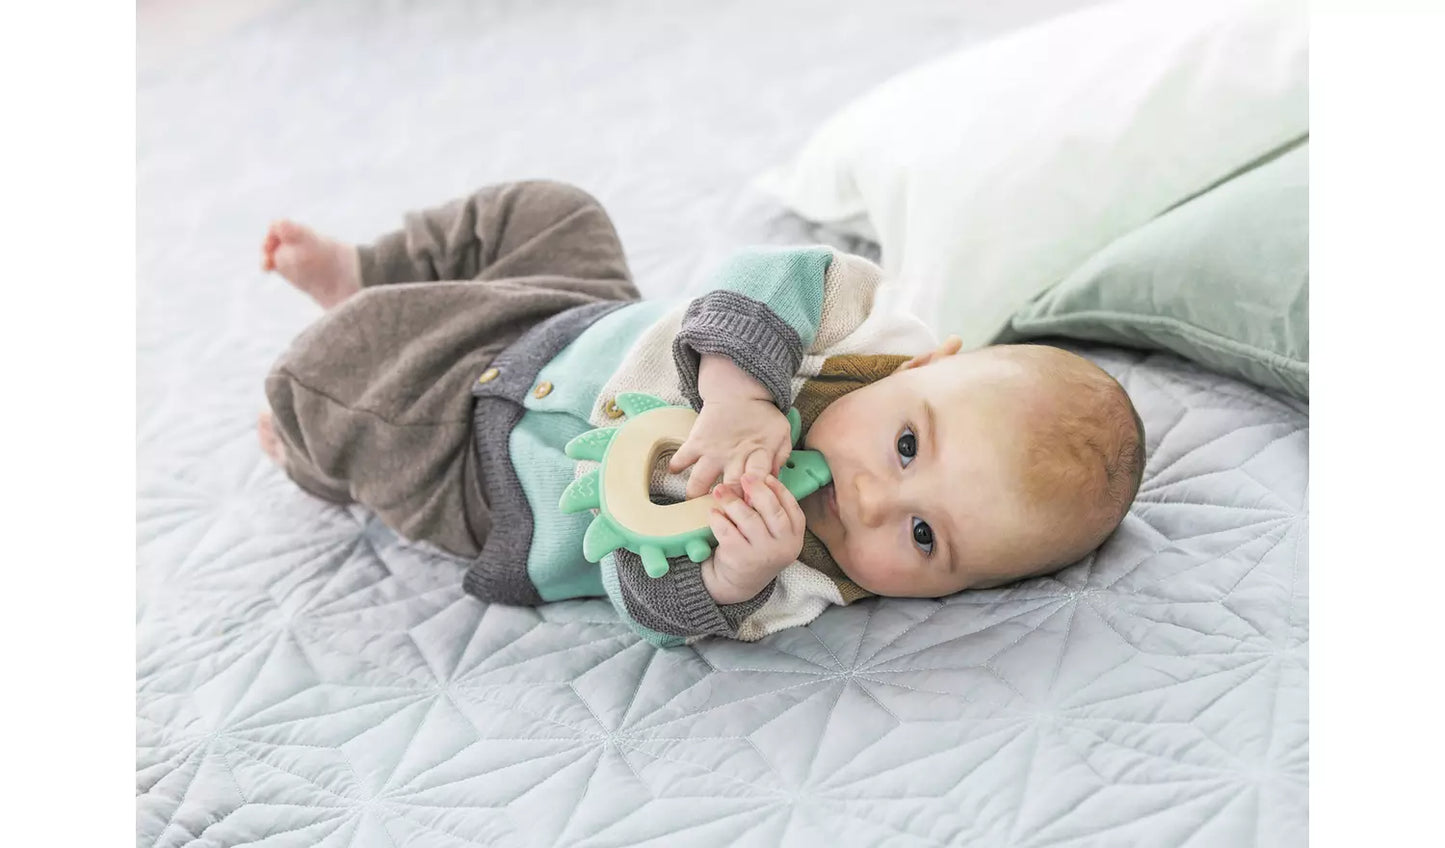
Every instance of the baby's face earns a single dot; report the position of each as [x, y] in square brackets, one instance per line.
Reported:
[926, 497]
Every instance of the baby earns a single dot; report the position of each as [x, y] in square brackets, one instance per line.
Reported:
[459, 355]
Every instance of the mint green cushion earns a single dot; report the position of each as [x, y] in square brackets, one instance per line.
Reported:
[1222, 279]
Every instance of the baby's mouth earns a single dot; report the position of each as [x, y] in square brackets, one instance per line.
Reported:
[830, 496]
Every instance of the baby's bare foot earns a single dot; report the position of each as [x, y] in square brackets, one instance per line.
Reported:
[324, 268]
[270, 442]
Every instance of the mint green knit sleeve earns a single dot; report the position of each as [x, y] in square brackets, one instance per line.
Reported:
[764, 314]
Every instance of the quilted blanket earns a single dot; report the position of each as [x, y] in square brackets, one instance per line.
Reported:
[306, 678]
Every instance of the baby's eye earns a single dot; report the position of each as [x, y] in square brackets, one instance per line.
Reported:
[907, 445]
[923, 535]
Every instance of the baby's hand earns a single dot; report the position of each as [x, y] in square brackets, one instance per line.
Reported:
[759, 530]
[738, 431]
[733, 437]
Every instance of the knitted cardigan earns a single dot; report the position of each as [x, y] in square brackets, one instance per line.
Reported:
[806, 322]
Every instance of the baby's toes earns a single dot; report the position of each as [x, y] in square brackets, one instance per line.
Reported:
[266, 433]
[269, 244]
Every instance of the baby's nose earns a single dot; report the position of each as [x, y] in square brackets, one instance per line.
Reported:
[871, 499]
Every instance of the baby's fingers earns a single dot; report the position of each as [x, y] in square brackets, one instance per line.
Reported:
[755, 463]
[789, 503]
[702, 477]
[780, 457]
[685, 456]
[745, 518]
[723, 529]
[758, 464]
[765, 501]
[735, 469]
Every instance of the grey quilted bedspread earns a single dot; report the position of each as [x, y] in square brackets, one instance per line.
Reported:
[305, 678]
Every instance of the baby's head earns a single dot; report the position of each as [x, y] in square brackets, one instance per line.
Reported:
[965, 471]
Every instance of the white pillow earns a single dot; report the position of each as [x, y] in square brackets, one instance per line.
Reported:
[990, 174]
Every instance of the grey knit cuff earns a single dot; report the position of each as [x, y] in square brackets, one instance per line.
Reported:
[736, 613]
[386, 261]
[678, 603]
[746, 331]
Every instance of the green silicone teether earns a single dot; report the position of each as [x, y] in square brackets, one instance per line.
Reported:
[618, 489]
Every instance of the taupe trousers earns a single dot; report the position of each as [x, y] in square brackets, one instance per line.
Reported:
[373, 400]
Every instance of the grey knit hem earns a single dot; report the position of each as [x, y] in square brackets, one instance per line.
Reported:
[499, 574]
[747, 332]
[500, 571]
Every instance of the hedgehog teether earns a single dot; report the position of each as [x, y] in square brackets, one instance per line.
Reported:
[618, 490]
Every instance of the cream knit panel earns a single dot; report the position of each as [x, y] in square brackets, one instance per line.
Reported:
[801, 595]
[849, 287]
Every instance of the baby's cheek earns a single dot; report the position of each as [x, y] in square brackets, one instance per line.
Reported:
[869, 565]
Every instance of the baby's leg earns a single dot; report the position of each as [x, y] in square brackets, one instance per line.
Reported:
[530, 229]
[373, 402]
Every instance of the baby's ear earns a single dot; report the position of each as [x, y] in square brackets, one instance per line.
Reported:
[950, 346]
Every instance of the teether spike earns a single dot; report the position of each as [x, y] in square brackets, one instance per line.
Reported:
[591, 444]
[635, 403]
[653, 562]
[698, 550]
[602, 537]
[795, 425]
[582, 494]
